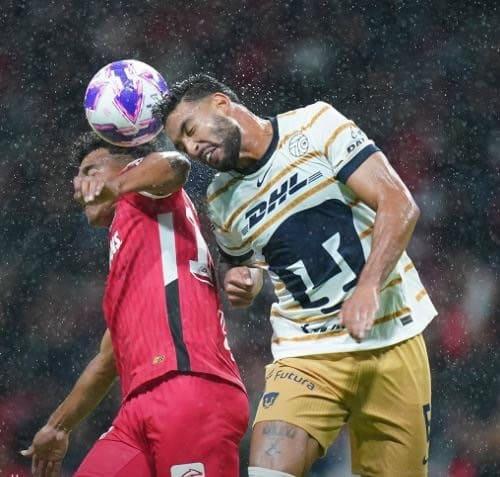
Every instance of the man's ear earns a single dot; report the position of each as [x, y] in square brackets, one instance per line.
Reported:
[221, 101]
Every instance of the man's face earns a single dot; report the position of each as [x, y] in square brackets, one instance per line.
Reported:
[100, 162]
[205, 133]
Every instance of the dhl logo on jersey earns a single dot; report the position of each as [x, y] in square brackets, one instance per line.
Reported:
[277, 196]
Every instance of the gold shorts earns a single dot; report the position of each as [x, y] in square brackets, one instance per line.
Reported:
[383, 395]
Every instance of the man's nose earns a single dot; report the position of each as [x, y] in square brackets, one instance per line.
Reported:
[192, 148]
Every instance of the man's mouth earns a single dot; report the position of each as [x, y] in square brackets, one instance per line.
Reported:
[208, 153]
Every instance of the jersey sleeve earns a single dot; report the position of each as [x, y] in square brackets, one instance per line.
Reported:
[231, 247]
[344, 144]
[230, 244]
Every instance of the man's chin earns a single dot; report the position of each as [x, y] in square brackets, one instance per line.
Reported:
[98, 218]
[225, 164]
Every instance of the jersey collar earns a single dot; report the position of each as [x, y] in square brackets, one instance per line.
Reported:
[269, 152]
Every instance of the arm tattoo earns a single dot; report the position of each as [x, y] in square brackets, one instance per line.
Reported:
[275, 434]
[279, 430]
[272, 449]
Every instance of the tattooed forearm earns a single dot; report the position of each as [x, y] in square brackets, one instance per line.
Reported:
[279, 430]
[272, 449]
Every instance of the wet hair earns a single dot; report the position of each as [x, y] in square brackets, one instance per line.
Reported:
[193, 88]
[90, 141]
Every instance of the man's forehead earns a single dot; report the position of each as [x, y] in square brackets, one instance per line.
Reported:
[184, 111]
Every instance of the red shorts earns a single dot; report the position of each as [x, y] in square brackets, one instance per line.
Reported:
[186, 426]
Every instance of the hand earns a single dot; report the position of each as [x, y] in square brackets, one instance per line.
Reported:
[242, 284]
[94, 190]
[47, 451]
[358, 312]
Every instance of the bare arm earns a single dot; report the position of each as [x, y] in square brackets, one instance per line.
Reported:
[50, 443]
[377, 184]
[159, 173]
[89, 390]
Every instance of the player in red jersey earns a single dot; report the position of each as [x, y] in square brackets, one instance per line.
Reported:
[184, 406]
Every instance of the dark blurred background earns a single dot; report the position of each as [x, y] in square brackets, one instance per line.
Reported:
[421, 78]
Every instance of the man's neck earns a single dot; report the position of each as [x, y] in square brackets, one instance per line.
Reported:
[256, 137]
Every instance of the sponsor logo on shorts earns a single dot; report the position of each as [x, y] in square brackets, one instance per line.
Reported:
[269, 399]
[195, 469]
[292, 376]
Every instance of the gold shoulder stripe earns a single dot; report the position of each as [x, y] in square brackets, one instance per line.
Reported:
[329, 334]
[421, 294]
[366, 232]
[319, 186]
[305, 158]
[289, 113]
[323, 110]
[392, 283]
[223, 189]
[335, 134]
[409, 267]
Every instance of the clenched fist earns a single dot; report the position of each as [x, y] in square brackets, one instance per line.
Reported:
[358, 312]
[242, 285]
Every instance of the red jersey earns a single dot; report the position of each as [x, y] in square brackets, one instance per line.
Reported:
[160, 303]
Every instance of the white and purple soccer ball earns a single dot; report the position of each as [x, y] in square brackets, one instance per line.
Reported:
[119, 102]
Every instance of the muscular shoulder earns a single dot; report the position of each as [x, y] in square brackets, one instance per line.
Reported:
[307, 116]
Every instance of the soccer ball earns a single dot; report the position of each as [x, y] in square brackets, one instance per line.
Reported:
[119, 102]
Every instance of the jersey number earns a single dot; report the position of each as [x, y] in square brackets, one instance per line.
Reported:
[200, 267]
[317, 254]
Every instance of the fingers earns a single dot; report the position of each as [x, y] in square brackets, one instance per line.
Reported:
[95, 189]
[240, 277]
[27, 452]
[41, 467]
[238, 284]
[238, 297]
[49, 470]
[238, 280]
[87, 189]
[34, 464]
[358, 320]
[77, 185]
[55, 469]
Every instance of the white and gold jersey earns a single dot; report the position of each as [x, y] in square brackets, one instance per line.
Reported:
[295, 217]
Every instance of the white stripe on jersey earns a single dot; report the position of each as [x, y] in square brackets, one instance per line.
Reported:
[167, 245]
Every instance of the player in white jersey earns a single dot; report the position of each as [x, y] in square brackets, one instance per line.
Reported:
[309, 198]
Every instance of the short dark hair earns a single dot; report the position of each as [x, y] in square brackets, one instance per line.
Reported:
[90, 141]
[194, 87]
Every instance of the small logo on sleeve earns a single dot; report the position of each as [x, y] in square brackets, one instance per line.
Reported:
[195, 469]
[298, 144]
